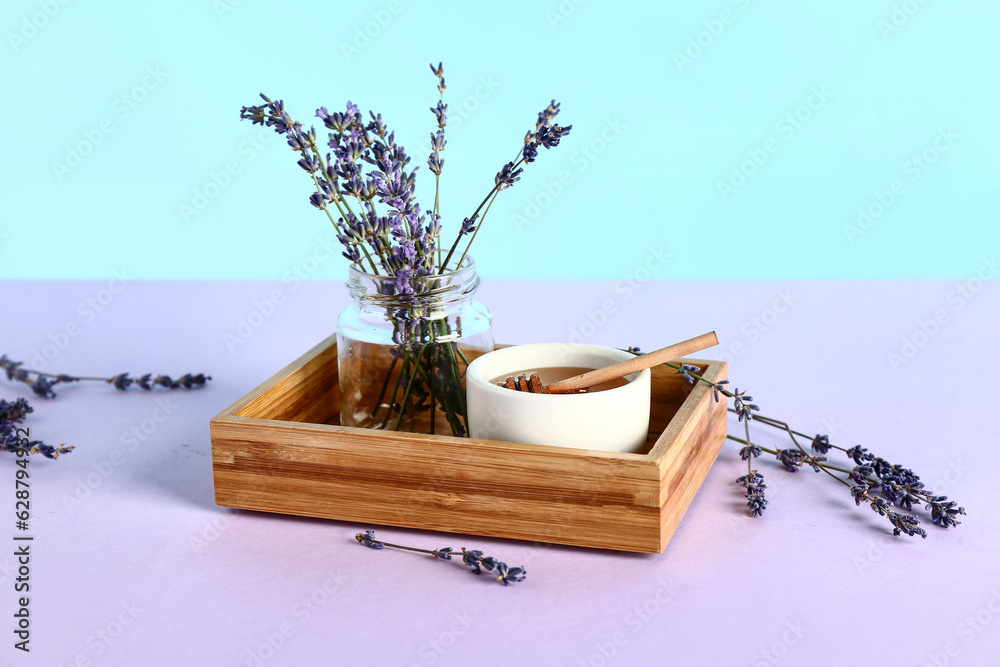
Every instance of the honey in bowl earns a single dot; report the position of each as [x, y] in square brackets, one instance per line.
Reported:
[549, 375]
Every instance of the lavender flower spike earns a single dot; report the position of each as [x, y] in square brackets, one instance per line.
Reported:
[743, 406]
[439, 73]
[435, 164]
[42, 383]
[753, 482]
[507, 176]
[367, 538]
[469, 225]
[441, 113]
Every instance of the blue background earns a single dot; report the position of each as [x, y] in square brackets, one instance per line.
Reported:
[824, 106]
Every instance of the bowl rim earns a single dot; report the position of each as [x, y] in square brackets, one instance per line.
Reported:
[474, 376]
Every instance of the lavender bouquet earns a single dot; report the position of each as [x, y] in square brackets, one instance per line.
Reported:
[412, 377]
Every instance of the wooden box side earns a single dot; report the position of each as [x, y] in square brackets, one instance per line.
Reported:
[689, 446]
[481, 487]
[273, 452]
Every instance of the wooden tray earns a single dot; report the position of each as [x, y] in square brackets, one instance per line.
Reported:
[281, 449]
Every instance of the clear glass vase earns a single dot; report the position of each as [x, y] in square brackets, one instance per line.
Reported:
[404, 346]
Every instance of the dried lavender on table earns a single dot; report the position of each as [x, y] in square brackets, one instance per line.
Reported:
[42, 383]
[872, 480]
[475, 560]
[12, 414]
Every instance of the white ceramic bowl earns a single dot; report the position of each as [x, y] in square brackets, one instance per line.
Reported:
[615, 420]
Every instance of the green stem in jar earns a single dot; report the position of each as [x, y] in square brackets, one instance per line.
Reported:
[430, 383]
[385, 386]
[409, 387]
[395, 392]
[443, 396]
[458, 382]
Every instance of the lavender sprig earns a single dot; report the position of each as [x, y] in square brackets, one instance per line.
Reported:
[753, 482]
[475, 560]
[42, 383]
[13, 413]
[873, 480]
[434, 161]
[546, 134]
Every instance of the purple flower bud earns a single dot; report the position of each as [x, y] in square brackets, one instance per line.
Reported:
[469, 225]
[530, 152]
[507, 176]
[435, 164]
[309, 163]
[438, 141]
[441, 113]
[318, 200]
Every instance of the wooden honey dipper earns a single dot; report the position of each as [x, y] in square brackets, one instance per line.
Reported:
[533, 385]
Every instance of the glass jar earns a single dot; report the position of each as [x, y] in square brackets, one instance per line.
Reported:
[403, 348]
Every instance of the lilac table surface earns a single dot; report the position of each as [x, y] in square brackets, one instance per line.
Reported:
[133, 563]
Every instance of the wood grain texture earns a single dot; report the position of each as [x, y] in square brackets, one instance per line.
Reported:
[280, 449]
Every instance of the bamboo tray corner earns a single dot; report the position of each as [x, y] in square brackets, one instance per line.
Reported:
[281, 449]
